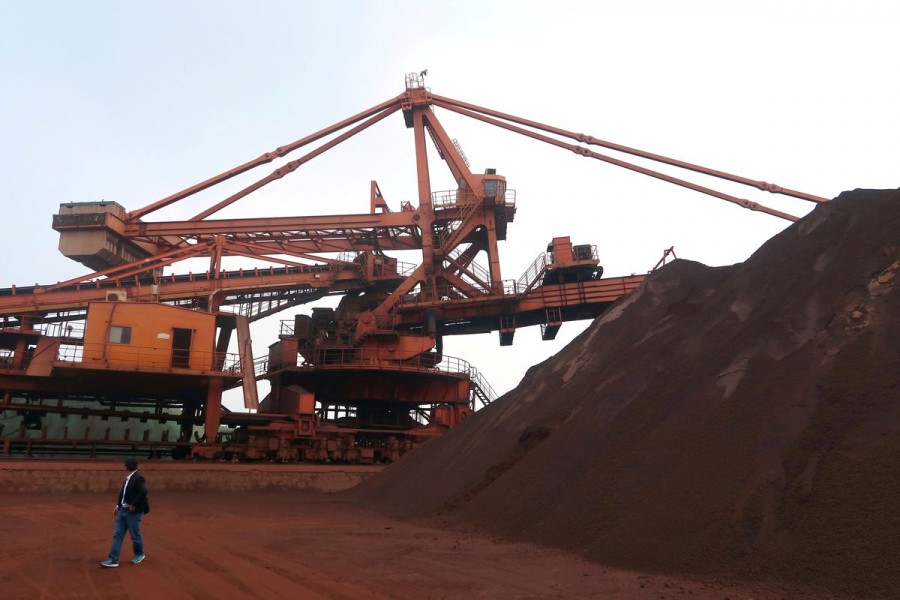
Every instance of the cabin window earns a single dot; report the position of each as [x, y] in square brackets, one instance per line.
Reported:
[119, 335]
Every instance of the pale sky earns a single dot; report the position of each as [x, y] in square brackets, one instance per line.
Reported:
[132, 102]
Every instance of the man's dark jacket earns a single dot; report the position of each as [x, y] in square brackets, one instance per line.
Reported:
[136, 494]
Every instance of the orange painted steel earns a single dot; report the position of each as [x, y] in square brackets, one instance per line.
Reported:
[362, 382]
[591, 140]
[264, 159]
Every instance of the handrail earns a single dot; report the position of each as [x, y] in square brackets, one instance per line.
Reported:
[481, 384]
[535, 270]
[467, 201]
[151, 358]
[483, 277]
[342, 358]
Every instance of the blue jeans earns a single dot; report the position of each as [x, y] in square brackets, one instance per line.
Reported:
[131, 521]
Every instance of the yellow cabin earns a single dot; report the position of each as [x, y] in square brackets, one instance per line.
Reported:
[143, 335]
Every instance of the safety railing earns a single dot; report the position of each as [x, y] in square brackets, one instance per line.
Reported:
[350, 257]
[467, 202]
[444, 293]
[580, 253]
[510, 287]
[585, 252]
[406, 269]
[450, 293]
[342, 358]
[506, 198]
[6, 358]
[481, 389]
[135, 358]
[261, 366]
[351, 358]
[286, 327]
[252, 305]
[70, 353]
[64, 326]
[473, 268]
[533, 272]
[459, 149]
[444, 199]
[389, 321]
[241, 273]
[450, 236]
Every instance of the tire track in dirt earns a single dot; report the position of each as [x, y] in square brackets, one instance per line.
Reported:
[217, 564]
[42, 576]
[274, 571]
[199, 576]
[325, 591]
[101, 584]
[97, 581]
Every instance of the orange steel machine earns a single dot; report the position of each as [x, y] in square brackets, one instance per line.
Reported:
[132, 359]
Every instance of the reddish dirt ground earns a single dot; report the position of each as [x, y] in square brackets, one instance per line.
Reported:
[287, 544]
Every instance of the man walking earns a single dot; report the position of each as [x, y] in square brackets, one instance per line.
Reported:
[132, 504]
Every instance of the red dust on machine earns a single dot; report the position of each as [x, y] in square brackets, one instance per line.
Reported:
[132, 358]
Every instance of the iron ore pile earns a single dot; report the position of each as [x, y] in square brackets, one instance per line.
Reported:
[739, 421]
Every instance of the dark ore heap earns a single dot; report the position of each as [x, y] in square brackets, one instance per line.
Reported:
[740, 421]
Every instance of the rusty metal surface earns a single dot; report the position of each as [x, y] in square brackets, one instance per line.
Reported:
[392, 316]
